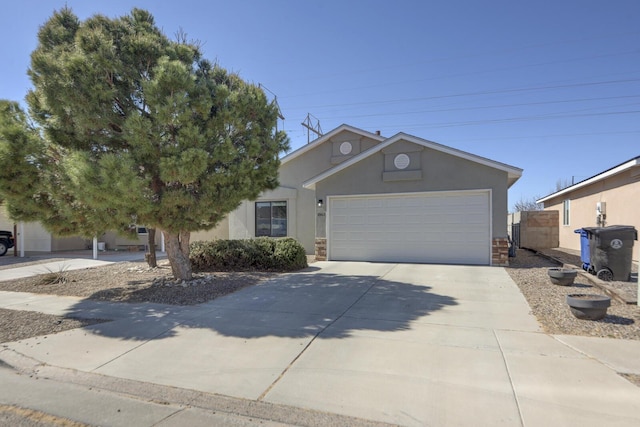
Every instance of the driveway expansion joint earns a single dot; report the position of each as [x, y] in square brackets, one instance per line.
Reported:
[295, 359]
[513, 388]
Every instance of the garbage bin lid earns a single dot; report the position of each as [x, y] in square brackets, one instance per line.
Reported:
[616, 229]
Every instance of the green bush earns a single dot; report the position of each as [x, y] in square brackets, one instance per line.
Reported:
[263, 253]
[289, 254]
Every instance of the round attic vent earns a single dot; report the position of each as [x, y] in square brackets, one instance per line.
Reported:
[401, 161]
[345, 148]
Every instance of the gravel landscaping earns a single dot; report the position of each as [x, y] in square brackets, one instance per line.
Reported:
[135, 282]
[129, 282]
[17, 325]
[547, 301]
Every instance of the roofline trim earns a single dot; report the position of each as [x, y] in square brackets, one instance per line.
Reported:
[602, 175]
[300, 151]
[513, 172]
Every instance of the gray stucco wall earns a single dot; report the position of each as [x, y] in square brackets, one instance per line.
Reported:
[437, 171]
[294, 173]
[428, 170]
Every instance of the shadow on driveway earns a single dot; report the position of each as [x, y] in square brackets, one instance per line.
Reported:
[295, 305]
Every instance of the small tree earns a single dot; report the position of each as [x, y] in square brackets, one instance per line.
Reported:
[135, 128]
[524, 205]
[563, 183]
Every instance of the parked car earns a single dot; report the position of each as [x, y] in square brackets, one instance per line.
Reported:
[6, 241]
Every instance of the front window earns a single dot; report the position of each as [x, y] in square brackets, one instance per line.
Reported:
[566, 205]
[271, 219]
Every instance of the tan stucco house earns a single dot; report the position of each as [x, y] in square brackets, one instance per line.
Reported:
[609, 198]
[356, 195]
[37, 239]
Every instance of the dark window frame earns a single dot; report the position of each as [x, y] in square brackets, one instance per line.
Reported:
[271, 218]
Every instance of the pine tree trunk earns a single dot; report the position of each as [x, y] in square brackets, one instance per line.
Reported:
[151, 255]
[177, 246]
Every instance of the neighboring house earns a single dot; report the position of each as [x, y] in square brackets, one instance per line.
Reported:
[611, 197]
[37, 239]
[355, 195]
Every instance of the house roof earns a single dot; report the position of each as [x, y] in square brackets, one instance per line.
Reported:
[513, 172]
[634, 162]
[326, 137]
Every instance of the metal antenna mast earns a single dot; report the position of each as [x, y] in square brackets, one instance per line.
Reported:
[308, 123]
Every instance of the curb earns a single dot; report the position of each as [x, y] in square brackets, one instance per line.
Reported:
[258, 411]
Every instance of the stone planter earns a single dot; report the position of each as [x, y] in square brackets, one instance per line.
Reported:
[562, 276]
[588, 306]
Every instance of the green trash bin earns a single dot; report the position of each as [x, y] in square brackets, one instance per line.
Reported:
[611, 251]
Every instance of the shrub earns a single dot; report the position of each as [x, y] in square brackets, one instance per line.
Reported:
[265, 249]
[263, 253]
[199, 254]
[289, 254]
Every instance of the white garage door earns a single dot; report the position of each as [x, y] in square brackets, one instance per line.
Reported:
[449, 228]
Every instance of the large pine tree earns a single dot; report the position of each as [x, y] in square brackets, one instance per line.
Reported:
[130, 126]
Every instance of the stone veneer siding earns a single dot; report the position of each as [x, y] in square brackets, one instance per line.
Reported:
[321, 249]
[500, 252]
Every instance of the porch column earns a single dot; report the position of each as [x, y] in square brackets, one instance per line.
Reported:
[500, 252]
[95, 247]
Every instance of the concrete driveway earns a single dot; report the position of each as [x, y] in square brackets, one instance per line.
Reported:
[403, 344]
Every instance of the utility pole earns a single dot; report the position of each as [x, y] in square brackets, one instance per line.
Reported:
[308, 123]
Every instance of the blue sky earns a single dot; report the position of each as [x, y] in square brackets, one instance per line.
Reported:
[552, 87]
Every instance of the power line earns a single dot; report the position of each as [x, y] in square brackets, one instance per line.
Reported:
[473, 73]
[481, 54]
[557, 135]
[478, 93]
[486, 107]
[510, 120]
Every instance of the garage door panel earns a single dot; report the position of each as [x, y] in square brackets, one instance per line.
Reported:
[339, 219]
[429, 227]
[375, 203]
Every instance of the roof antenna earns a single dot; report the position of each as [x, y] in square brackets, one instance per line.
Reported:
[275, 101]
[307, 123]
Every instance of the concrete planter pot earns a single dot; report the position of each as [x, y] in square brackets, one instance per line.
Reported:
[588, 306]
[562, 276]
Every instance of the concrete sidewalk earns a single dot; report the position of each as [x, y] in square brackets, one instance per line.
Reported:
[15, 268]
[401, 344]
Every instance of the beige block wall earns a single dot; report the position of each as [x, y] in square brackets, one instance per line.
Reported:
[539, 229]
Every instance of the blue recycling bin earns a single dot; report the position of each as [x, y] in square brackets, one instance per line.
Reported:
[585, 254]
